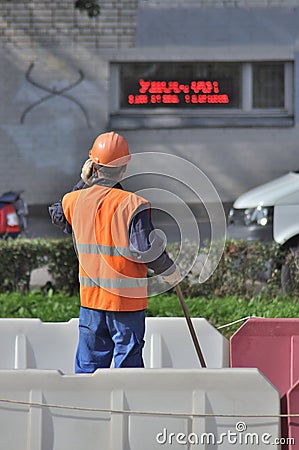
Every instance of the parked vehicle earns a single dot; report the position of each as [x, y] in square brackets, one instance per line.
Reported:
[269, 212]
[13, 215]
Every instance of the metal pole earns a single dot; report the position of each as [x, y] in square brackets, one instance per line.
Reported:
[191, 328]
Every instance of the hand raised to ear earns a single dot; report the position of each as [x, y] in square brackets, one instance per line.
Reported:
[87, 171]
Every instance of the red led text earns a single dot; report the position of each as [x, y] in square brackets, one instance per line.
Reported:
[196, 92]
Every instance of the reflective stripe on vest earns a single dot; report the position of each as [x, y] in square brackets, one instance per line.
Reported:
[99, 249]
[113, 283]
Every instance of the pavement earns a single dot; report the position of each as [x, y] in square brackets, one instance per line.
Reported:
[40, 225]
[39, 277]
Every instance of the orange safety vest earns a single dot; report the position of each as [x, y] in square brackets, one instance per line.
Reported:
[110, 276]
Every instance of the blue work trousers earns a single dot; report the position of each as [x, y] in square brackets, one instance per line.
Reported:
[107, 335]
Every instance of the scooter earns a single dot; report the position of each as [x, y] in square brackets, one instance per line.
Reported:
[13, 215]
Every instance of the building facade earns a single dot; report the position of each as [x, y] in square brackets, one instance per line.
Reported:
[214, 82]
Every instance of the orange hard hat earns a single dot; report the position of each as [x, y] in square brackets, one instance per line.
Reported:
[110, 149]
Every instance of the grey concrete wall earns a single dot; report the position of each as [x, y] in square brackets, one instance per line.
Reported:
[218, 3]
[235, 160]
[46, 127]
[208, 27]
[45, 137]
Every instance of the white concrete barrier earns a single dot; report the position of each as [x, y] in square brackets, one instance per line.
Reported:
[168, 343]
[134, 409]
[32, 344]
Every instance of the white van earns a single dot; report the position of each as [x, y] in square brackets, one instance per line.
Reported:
[268, 212]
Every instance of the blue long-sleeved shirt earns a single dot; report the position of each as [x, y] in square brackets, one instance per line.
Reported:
[142, 238]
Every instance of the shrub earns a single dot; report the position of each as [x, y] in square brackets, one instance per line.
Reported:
[63, 265]
[19, 257]
[245, 269]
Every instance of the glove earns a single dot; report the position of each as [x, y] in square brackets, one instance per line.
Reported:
[87, 170]
[174, 278]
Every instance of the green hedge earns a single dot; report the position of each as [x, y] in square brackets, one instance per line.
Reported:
[245, 269]
[247, 282]
[19, 257]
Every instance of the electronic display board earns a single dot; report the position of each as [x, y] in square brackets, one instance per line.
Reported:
[186, 85]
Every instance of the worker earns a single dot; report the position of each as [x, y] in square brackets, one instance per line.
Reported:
[114, 237]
